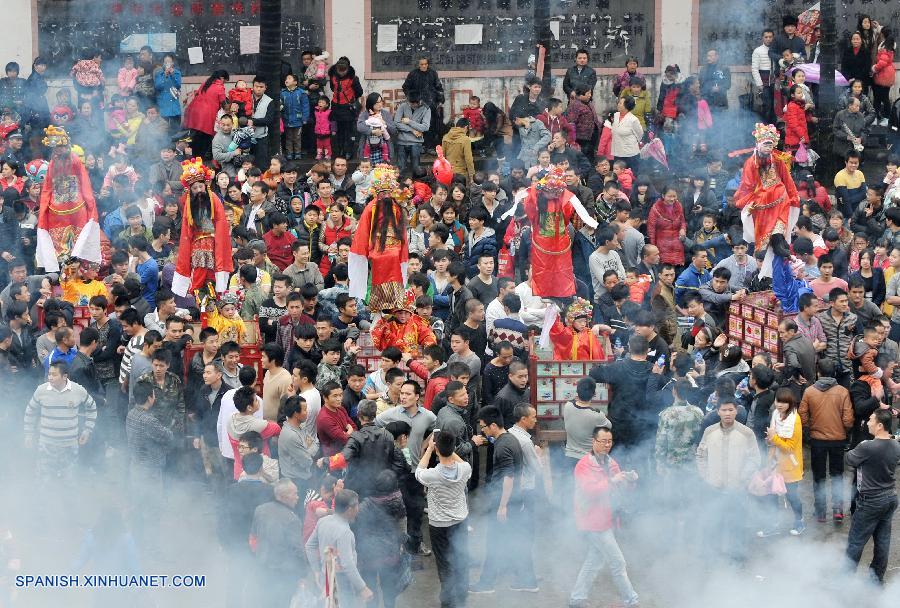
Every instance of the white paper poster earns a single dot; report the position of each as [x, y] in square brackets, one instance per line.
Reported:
[195, 54]
[162, 42]
[387, 38]
[554, 29]
[468, 33]
[249, 39]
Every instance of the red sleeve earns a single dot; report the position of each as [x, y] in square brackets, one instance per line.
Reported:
[434, 387]
[382, 336]
[329, 426]
[417, 368]
[651, 224]
[272, 430]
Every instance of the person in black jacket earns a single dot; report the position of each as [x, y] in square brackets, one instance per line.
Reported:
[635, 422]
[368, 452]
[346, 91]
[580, 74]
[514, 392]
[82, 370]
[427, 83]
[10, 239]
[856, 61]
[761, 401]
[205, 415]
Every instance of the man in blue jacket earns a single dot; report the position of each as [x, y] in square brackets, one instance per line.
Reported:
[693, 276]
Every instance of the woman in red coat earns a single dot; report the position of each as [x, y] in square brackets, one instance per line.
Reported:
[666, 226]
[883, 76]
[200, 114]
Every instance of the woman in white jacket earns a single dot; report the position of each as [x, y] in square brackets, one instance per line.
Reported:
[626, 134]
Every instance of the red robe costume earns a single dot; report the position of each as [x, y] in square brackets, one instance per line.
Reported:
[409, 337]
[571, 346]
[551, 258]
[67, 217]
[204, 251]
[388, 276]
[768, 199]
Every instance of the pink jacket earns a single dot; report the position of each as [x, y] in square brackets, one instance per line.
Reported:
[323, 122]
[593, 481]
[127, 80]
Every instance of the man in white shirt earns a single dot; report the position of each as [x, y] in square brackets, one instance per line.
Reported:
[606, 257]
[494, 308]
[247, 377]
[761, 69]
[533, 307]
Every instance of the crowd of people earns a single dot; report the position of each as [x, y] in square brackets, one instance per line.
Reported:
[173, 292]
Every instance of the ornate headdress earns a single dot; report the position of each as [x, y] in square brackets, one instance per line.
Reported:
[553, 181]
[408, 302]
[232, 297]
[55, 136]
[384, 181]
[763, 132]
[194, 170]
[579, 308]
[36, 170]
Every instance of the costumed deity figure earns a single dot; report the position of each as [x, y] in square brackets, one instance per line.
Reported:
[575, 340]
[403, 328]
[222, 313]
[549, 207]
[68, 224]
[767, 196]
[204, 251]
[380, 240]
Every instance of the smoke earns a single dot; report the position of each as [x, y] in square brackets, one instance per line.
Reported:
[673, 556]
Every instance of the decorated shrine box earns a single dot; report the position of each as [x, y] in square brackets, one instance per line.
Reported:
[753, 324]
[554, 384]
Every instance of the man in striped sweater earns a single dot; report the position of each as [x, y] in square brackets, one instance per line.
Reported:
[61, 414]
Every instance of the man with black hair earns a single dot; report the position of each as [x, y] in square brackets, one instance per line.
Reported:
[413, 120]
[288, 324]
[717, 295]
[59, 418]
[506, 504]
[509, 328]
[838, 324]
[145, 267]
[274, 307]
[22, 348]
[876, 463]
[447, 513]
[605, 258]
[628, 378]
[460, 341]
[762, 398]
[692, 277]
[277, 380]
[149, 440]
[82, 370]
[459, 295]
[869, 216]
[279, 241]
[514, 392]
[892, 227]
[826, 413]
[303, 270]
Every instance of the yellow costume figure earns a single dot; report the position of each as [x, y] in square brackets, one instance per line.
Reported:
[222, 315]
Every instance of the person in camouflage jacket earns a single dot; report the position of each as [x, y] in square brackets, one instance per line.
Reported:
[679, 428]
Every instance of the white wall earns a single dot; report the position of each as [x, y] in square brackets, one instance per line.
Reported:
[16, 42]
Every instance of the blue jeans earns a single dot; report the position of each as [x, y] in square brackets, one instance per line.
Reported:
[411, 151]
[872, 518]
[603, 548]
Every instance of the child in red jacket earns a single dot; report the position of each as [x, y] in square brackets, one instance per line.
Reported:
[473, 114]
[243, 96]
[795, 119]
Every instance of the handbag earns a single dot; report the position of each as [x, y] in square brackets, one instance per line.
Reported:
[767, 481]
[405, 576]
[801, 156]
